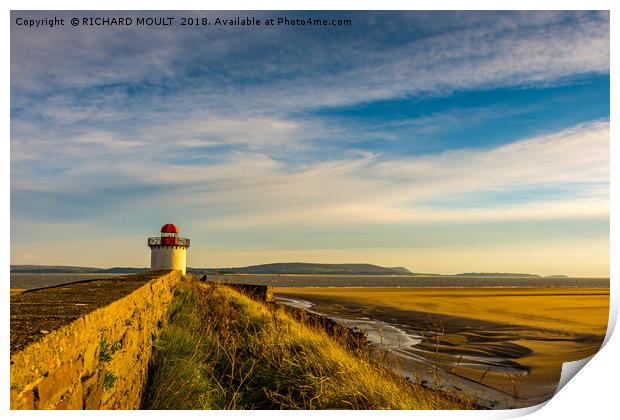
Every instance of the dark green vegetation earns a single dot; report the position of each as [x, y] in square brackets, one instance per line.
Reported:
[222, 350]
[109, 379]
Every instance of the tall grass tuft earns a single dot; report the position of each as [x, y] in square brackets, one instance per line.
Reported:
[223, 350]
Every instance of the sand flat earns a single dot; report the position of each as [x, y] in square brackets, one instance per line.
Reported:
[510, 341]
[576, 309]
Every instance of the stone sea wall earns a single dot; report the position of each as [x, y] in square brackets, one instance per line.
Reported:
[100, 359]
[264, 293]
[259, 292]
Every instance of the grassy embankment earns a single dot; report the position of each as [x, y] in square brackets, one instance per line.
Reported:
[223, 350]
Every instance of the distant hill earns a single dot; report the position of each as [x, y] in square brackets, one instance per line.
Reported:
[72, 269]
[497, 275]
[274, 268]
[277, 268]
[52, 269]
[309, 268]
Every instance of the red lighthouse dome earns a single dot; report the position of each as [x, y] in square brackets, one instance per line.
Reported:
[169, 234]
[169, 228]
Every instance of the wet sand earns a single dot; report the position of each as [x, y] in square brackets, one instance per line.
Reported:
[502, 346]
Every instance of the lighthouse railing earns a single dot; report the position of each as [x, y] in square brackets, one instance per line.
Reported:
[157, 241]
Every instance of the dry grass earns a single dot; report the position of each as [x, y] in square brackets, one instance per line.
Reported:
[222, 350]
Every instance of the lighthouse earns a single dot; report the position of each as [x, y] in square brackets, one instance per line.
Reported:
[168, 252]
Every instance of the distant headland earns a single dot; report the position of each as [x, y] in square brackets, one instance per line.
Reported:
[272, 268]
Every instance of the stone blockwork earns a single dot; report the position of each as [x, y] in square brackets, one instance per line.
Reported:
[263, 293]
[100, 359]
[256, 291]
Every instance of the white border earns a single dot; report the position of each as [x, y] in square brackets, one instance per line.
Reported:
[592, 394]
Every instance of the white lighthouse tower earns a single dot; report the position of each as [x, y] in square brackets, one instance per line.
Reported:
[168, 252]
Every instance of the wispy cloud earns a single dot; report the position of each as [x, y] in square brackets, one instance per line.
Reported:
[375, 190]
[254, 72]
[253, 189]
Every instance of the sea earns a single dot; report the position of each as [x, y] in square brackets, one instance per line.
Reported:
[38, 280]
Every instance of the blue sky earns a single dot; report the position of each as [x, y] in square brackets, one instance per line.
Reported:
[438, 141]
